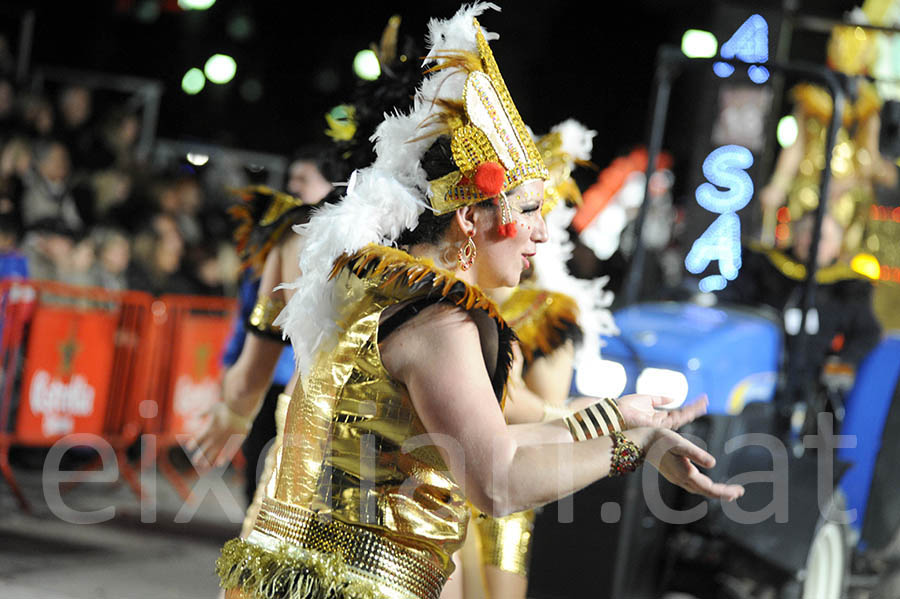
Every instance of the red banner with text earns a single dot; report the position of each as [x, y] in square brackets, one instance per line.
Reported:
[65, 387]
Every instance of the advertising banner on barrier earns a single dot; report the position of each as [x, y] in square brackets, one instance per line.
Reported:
[196, 370]
[68, 365]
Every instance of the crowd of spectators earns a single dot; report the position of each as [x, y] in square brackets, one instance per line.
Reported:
[78, 204]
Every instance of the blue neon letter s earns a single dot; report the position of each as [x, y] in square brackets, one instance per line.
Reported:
[725, 168]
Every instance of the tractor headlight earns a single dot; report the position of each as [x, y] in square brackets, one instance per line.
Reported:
[661, 381]
[600, 378]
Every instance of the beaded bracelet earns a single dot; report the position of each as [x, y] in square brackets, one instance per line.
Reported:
[596, 420]
[626, 455]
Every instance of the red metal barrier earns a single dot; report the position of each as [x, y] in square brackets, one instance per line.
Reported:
[189, 337]
[113, 364]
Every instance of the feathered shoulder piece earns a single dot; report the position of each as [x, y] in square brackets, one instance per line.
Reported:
[263, 216]
[399, 275]
[816, 102]
[542, 320]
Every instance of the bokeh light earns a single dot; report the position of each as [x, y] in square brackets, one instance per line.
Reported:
[220, 68]
[787, 131]
[696, 43]
[366, 66]
[193, 81]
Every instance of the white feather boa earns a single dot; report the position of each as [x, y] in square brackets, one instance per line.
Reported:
[550, 261]
[593, 300]
[376, 209]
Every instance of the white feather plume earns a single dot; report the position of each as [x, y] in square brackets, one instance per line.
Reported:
[382, 200]
[394, 150]
[577, 140]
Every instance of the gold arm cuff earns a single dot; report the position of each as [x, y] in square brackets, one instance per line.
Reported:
[506, 542]
[264, 313]
[615, 407]
[597, 420]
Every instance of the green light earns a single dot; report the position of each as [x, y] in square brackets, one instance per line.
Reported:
[696, 43]
[366, 66]
[193, 81]
[220, 68]
[195, 4]
[787, 131]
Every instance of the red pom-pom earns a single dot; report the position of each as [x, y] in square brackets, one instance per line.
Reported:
[508, 230]
[489, 178]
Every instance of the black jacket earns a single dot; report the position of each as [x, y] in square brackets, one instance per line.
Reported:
[847, 326]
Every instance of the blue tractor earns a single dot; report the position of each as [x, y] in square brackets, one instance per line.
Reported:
[819, 474]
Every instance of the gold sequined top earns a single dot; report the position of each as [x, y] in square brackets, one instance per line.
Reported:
[355, 459]
[542, 320]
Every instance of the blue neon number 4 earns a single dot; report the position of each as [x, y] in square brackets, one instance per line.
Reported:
[750, 44]
[727, 190]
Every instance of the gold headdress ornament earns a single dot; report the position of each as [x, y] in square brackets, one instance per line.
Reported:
[490, 144]
[567, 145]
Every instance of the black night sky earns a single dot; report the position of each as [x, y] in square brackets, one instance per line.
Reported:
[591, 61]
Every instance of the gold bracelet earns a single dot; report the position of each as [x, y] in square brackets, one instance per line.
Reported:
[615, 407]
[596, 420]
[264, 314]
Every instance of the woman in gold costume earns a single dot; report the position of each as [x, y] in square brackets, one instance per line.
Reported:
[856, 162]
[404, 360]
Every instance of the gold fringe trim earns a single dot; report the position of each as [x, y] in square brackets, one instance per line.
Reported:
[542, 320]
[396, 267]
[263, 574]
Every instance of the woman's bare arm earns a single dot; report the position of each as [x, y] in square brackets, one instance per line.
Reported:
[504, 469]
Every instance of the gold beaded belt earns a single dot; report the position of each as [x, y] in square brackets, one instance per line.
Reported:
[394, 569]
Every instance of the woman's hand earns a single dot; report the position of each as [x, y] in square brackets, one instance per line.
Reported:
[676, 459]
[644, 410]
[220, 437]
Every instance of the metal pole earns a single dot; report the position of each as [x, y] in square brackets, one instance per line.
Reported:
[26, 40]
[666, 59]
[799, 380]
[151, 95]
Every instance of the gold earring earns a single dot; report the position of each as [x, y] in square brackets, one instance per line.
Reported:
[466, 254]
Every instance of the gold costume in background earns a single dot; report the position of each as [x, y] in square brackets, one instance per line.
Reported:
[542, 320]
[852, 163]
[505, 543]
[353, 512]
